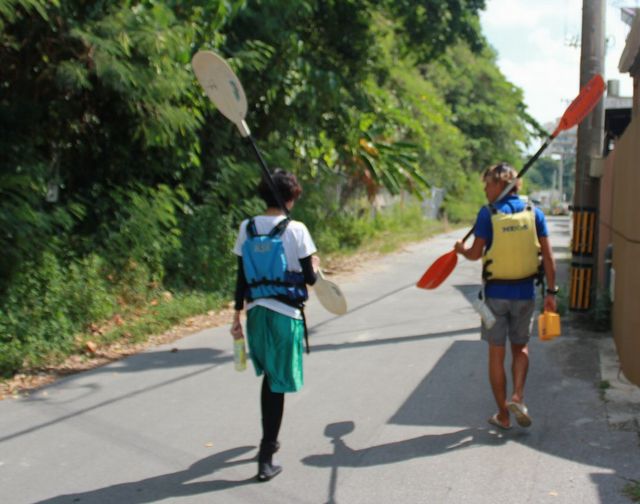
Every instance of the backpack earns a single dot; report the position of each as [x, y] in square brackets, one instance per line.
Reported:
[266, 270]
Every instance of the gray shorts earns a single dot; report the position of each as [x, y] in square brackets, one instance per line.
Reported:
[514, 319]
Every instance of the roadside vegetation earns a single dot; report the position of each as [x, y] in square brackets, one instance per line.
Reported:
[632, 490]
[121, 186]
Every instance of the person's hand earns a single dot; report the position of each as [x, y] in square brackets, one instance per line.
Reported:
[315, 262]
[550, 304]
[459, 247]
[236, 327]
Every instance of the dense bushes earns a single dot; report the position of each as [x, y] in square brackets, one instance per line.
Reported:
[47, 304]
[50, 303]
[459, 208]
[119, 179]
[204, 260]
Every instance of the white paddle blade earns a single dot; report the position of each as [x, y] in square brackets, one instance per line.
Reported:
[222, 86]
[330, 295]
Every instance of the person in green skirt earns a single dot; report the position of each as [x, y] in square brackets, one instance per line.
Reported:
[276, 262]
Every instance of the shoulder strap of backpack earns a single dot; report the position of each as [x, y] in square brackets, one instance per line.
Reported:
[251, 228]
[279, 228]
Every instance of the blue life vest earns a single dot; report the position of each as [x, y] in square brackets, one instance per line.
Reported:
[265, 267]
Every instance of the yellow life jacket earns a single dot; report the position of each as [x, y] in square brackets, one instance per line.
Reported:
[514, 251]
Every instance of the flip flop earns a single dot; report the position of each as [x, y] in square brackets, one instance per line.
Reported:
[521, 413]
[494, 421]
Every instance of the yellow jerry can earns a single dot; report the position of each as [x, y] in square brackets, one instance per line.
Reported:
[548, 325]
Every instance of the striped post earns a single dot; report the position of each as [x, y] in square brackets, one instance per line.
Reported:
[582, 249]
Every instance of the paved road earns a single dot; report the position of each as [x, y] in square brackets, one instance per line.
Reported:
[394, 410]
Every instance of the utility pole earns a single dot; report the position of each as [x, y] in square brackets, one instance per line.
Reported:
[587, 188]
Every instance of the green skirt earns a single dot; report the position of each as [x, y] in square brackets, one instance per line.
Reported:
[276, 347]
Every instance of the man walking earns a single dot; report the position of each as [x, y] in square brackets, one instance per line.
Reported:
[509, 236]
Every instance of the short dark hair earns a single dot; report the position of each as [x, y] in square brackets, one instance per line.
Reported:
[287, 185]
[503, 172]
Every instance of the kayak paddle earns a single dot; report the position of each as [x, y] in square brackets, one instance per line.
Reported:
[225, 90]
[584, 103]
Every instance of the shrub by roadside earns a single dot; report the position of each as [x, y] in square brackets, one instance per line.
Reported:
[97, 323]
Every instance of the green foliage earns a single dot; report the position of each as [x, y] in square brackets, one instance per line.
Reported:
[89, 293]
[465, 208]
[143, 230]
[487, 108]
[422, 112]
[401, 223]
[158, 317]
[100, 105]
[12, 356]
[429, 27]
[204, 261]
[361, 228]
[632, 490]
[45, 307]
[12, 10]
[544, 175]
[344, 231]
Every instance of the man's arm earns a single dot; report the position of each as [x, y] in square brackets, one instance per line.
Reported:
[549, 264]
[474, 252]
[482, 232]
[310, 265]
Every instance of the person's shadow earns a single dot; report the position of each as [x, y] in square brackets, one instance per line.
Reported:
[158, 488]
[421, 446]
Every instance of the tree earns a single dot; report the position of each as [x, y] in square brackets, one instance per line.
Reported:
[487, 108]
[96, 96]
[430, 27]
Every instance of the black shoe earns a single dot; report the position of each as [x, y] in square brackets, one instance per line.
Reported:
[268, 470]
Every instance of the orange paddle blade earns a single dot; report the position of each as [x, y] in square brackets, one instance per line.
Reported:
[438, 271]
[589, 96]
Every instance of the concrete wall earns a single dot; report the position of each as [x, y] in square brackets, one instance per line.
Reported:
[625, 229]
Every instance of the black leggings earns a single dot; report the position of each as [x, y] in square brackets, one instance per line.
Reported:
[272, 404]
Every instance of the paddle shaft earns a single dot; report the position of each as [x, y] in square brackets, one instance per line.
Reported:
[524, 170]
[526, 167]
[575, 113]
[269, 178]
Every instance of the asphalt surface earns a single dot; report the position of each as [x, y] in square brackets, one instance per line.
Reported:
[394, 409]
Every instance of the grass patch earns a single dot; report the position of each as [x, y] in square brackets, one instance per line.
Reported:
[632, 490]
[604, 385]
[130, 326]
[160, 314]
[387, 232]
[392, 234]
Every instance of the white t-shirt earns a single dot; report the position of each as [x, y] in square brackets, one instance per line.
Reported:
[297, 243]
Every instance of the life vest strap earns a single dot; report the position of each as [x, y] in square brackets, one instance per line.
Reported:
[511, 281]
[277, 230]
[266, 281]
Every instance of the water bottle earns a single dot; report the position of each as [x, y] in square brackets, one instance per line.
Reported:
[239, 354]
[487, 316]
